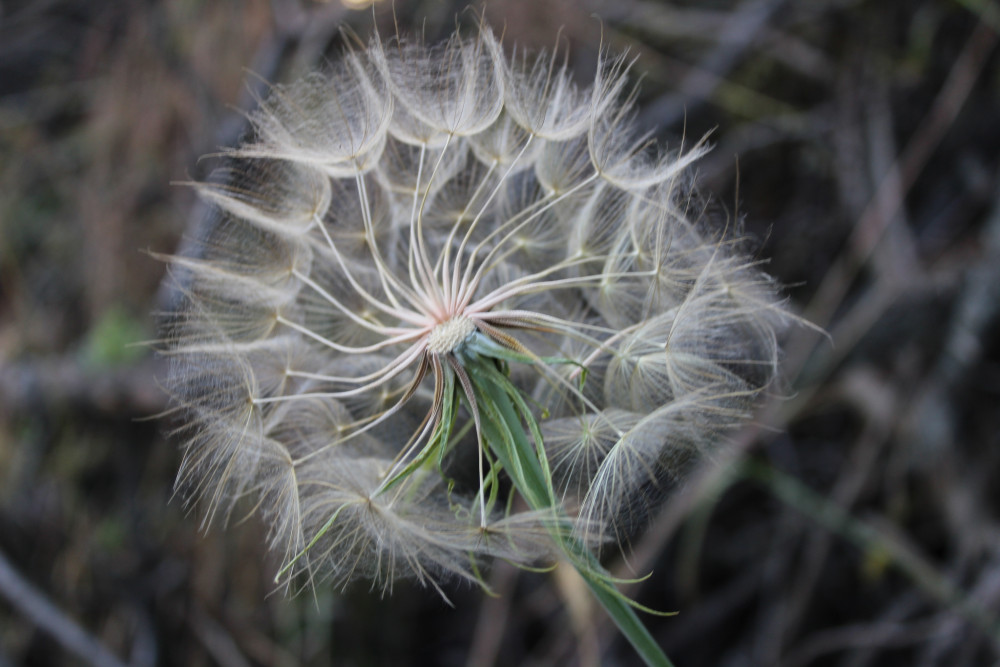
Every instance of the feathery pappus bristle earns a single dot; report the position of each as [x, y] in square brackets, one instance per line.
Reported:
[440, 277]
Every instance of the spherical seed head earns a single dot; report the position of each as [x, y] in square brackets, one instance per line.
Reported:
[450, 334]
[523, 208]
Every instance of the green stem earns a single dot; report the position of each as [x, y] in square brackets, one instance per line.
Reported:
[869, 538]
[500, 405]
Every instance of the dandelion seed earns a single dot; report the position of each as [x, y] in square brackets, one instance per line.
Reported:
[439, 279]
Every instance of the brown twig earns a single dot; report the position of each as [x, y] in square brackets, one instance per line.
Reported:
[888, 199]
[31, 602]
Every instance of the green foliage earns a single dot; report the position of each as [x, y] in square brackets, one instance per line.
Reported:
[114, 340]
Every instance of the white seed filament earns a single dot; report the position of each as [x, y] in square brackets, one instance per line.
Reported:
[421, 251]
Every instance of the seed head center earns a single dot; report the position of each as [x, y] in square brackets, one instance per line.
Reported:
[448, 335]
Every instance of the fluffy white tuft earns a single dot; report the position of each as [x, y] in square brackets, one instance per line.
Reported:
[396, 216]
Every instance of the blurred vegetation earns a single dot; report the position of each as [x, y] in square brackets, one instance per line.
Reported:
[855, 523]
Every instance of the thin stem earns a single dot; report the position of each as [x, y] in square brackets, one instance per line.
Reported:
[354, 317]
[443, 265]
[531, 285]
[407, 357]
[47, 616]
[396, 407]
[531, 477]
[404, 361]
[475, 221]
[417, 260]
[396, 309]
[470, 395]
[471, 281]
[410, 335]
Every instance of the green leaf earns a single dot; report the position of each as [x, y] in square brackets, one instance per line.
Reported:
[503, 409]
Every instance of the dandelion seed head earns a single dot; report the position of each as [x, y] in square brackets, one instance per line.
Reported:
[425, 256]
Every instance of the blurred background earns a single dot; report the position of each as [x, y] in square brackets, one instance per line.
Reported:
[855, 522]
